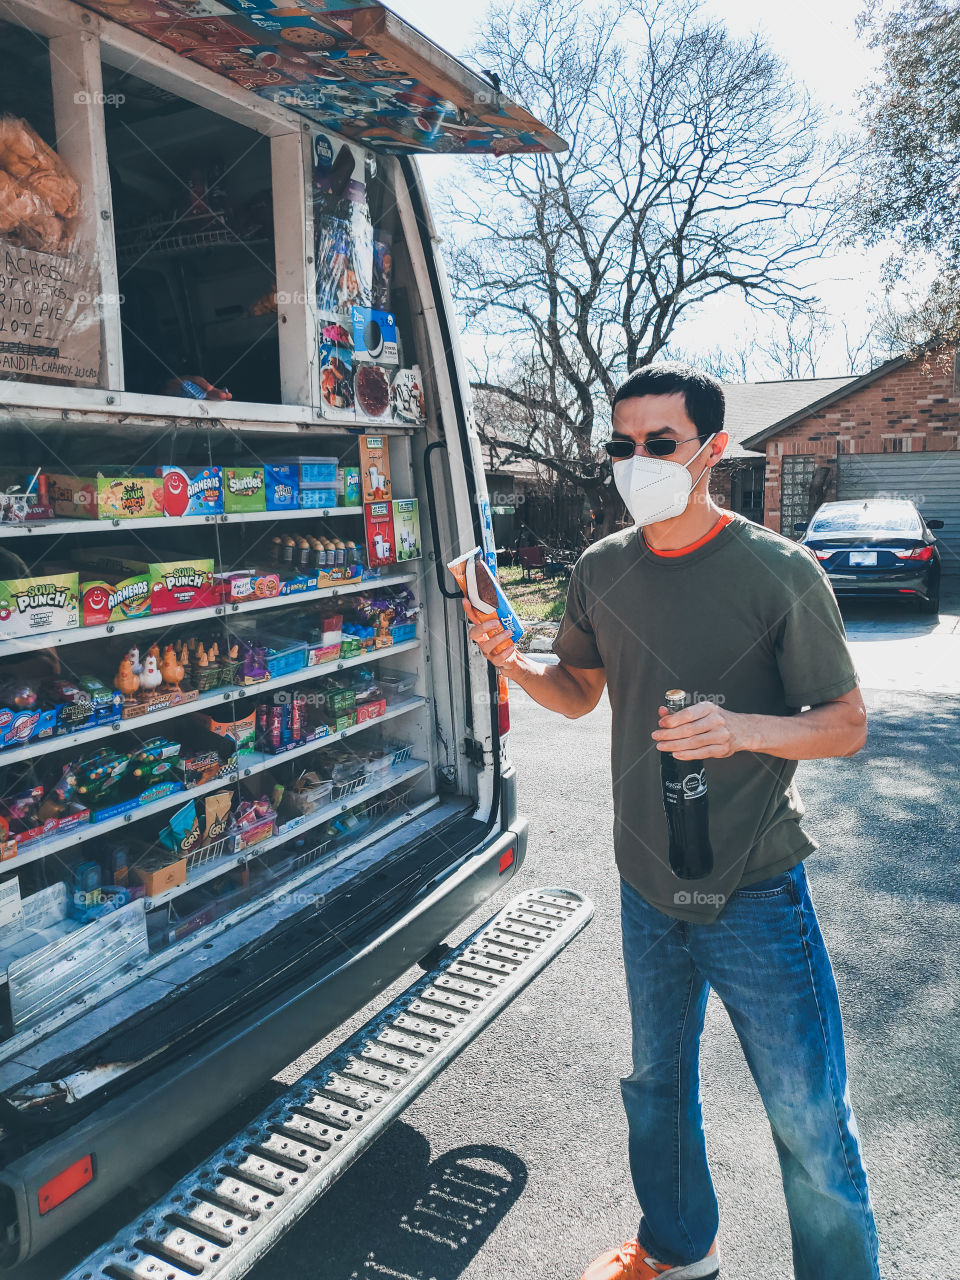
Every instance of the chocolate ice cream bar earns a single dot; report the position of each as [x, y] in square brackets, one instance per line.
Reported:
[483, 591]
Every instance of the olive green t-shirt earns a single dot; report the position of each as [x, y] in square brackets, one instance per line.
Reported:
[747, 619]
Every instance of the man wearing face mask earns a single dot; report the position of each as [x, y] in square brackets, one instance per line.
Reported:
[697, 598]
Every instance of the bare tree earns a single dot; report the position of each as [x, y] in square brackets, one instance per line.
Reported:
[695, 167]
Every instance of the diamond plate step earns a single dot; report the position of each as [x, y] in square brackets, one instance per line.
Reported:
[221, 1219]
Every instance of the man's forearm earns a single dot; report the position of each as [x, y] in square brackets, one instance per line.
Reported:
[833, 729]
[550, 684]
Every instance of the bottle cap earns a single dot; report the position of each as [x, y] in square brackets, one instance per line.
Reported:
[675, 699]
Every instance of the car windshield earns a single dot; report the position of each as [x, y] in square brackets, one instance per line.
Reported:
[874, 517]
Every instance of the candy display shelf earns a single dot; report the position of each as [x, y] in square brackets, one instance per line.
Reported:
[206, 702]
[399, 773]
[167, 621]
[249, 765]
[65, 528]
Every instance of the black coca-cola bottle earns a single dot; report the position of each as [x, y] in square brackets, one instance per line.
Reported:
[685, 803]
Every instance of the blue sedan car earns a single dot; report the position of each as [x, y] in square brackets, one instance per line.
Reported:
[877, 548]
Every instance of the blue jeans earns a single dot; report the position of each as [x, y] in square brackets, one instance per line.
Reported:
[766, 960]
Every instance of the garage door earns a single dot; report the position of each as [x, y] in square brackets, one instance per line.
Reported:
[930, 480]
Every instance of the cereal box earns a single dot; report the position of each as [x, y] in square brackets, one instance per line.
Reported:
[43, 602]
[244, 489]
[105, 497]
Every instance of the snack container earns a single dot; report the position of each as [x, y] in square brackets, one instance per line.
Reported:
[106, 497]
[43, 602]
[314, 470]
[283, 487]
[244, 489]
[351, 487]
[156, 875]
[246, 584]
[312, 499]
[192, 492]
[483, 591]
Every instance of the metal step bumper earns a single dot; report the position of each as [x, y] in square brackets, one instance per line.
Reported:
[219, 1220]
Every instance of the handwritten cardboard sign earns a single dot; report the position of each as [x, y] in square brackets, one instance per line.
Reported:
[49, 315]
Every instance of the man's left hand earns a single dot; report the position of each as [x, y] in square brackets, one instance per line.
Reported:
[702, 731]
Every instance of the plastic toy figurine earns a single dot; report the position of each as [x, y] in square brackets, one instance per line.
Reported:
[150, 677]
[170, 669]
[135, 664]
[126, 680]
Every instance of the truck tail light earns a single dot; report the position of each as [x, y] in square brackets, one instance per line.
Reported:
[918, 553]
[503, 703]
[66, 1182]
[506, 860]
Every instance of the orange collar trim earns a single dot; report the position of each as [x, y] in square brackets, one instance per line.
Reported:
[724, 520]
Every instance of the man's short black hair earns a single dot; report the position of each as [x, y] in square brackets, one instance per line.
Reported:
[702, 395]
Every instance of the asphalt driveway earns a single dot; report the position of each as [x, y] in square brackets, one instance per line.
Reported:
[514, 1165]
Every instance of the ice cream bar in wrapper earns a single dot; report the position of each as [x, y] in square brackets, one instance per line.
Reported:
[483, 591]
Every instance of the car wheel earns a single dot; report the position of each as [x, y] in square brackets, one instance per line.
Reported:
[931, 604]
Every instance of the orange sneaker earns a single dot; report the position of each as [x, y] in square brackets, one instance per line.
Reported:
[629, 1262]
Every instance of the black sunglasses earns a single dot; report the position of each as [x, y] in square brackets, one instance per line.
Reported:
[661, 447]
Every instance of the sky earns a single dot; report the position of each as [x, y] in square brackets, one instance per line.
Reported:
[819, 43]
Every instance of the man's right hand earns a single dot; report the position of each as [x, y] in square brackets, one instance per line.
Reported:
[491, 638]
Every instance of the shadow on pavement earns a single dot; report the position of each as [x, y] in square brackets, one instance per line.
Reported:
[396, 1213]
[889, 831]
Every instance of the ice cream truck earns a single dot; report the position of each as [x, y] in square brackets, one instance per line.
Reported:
[252, 772]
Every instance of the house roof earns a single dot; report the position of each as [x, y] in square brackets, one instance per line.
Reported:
[756, 410]
[825, 394]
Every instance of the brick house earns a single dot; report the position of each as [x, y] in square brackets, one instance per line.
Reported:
[752, 408]
[893, 431]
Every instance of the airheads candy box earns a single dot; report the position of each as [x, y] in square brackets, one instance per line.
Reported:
[43, 602]
[244, 489]
[113, 597]
[483, 591]
[174, 584]
[106, 497]
[191, 492]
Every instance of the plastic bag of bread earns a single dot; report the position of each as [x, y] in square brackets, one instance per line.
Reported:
[27, 217]
[37, 170]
